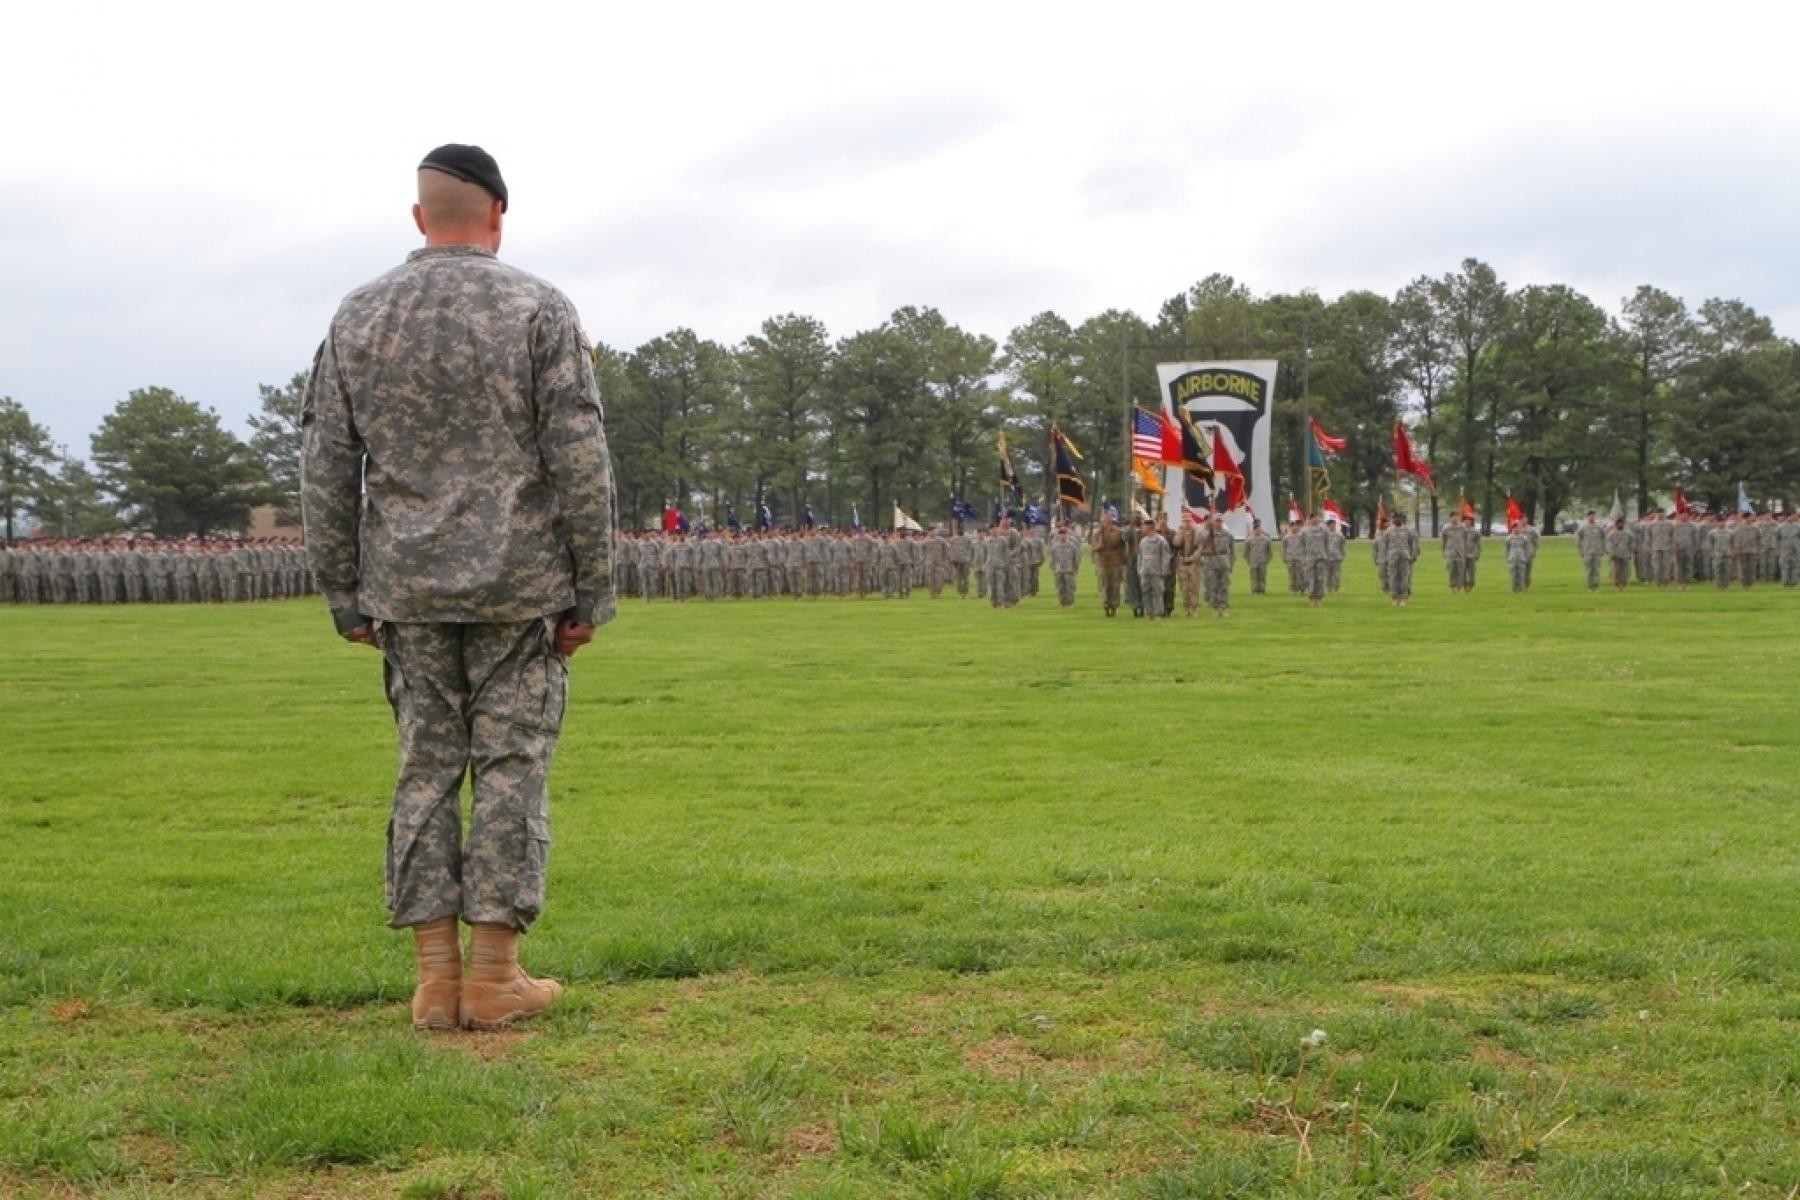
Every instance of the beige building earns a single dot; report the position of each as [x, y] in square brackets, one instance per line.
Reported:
[267, 522]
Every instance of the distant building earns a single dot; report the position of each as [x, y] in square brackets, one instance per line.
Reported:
[266, 521]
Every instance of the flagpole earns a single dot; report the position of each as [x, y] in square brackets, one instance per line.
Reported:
[1306, 407]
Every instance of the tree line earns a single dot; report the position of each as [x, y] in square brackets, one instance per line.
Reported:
[1536, 392]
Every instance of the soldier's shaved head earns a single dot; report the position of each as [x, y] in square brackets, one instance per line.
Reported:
[452, 211]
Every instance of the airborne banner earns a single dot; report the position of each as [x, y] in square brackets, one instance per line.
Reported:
[1232, 401]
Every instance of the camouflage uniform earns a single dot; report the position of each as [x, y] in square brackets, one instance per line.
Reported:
[1590, 544]
[1065, 560]
[1621, 548]
[1336, 545]
[457, 490]
[1518, 558]
[1154, 557]
[1661, 540]
[1313, 545]
[1257, 552]
[1109, 560]
[1217, 554]
[1718, 545]
[1186, 548]
[1402, 552]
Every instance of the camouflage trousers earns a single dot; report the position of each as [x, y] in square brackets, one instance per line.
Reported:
[1217, 577]
[1151, 587]
[484, 701]
[1399, 574]
[1259, 579]
[1065, 588]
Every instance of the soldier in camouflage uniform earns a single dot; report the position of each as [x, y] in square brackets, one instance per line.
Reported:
[1218, 552]
[1291, 560]
[1590, 544]
[1065, 561]
[1401, 553]
[1257, 552]
[1336, 546]
[1787, 544]
[1718, 548]
[1108, 545]
[1518, 557]
[1621, 548]
[1154, 558]
[457, 497]
[1314, 545]
[1186, 549]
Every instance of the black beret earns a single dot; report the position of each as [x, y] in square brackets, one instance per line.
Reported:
[471, 164]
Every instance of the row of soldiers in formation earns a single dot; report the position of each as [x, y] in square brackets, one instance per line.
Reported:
[1140, 564]
[1001, 564]
[1684, 548]
[151, 570]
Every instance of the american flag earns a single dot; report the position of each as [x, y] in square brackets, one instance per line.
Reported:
[1146, 435]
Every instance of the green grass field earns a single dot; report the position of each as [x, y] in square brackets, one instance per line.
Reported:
[873, 899]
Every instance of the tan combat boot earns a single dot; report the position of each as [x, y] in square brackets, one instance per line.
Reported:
[497, 992]
[438, 998]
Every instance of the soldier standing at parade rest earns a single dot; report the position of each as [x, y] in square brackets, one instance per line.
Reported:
[1154, 557]
[1134, 582]
[1745, 545]
[1620, 548]
[1452, 540]
[1718, 544]
[1109, 559]
[1217, 554]
[1518, 556]
[1312, 559]
[1378, 545]
[1590, 544]
[1661, 539]
[1787, 543]
[1186, 548]
[1336, 545]
[1290, 559]
[1257, 552]
[1401, 553]
[457, 497]
[1065, 560]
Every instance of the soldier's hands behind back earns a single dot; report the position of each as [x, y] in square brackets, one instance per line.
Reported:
[572, 635]
[363, 635]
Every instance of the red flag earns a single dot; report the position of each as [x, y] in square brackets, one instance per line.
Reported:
[1406, 461]
[1331, 512]
[671, 518]
[1514, 514]
[1295, 516]
[1171, 439]
[1381, 521]
[1327, 443]
[1464, 509]
[1227, 472]
[1681, 503]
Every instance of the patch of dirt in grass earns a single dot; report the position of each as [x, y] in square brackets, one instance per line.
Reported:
[812, 1141]
[1003, 1057]
[1506, 1060]
[70, 1011]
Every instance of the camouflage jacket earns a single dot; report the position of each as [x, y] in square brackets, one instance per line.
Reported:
[454, 468]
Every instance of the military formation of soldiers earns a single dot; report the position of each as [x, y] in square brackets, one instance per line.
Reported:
[1677, 549]
[1000, 564]
[151, 570]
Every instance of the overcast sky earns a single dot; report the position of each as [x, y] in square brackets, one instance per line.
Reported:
[187, 190]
